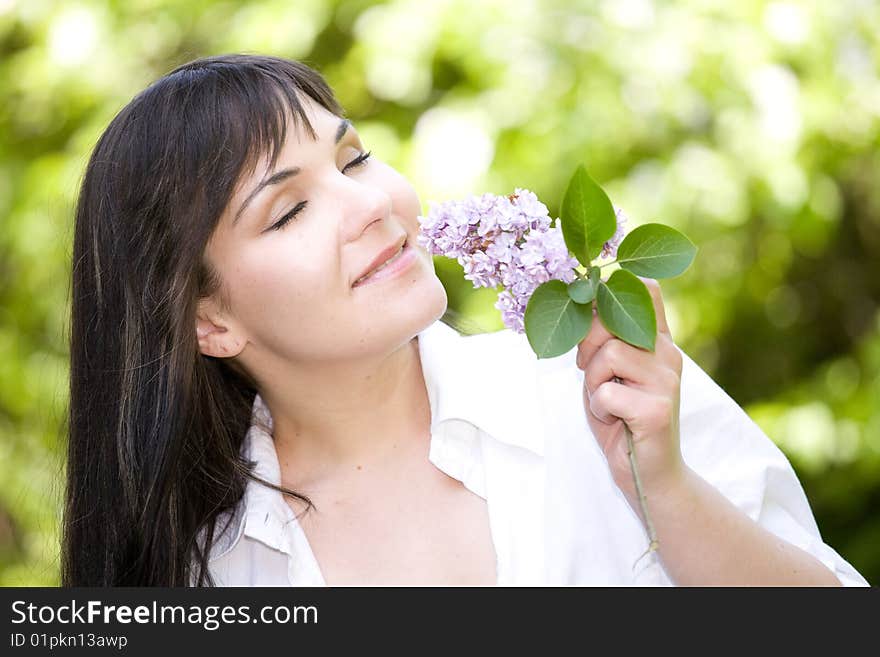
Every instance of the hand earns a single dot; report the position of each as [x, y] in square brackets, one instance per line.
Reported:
[647, 400]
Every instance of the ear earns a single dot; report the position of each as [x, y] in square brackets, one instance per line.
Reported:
[217, 335]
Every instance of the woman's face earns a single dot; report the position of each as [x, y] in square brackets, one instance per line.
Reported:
[290, 278]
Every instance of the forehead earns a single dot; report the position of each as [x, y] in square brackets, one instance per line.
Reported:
[321, 127]
[327, 128]
[323, 122]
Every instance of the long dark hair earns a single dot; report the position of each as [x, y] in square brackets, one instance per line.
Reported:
[155, 427]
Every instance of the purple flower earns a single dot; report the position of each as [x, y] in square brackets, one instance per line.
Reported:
[504, 240]
[481, 269]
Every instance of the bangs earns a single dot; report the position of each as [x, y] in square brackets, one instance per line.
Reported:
[249, 100]
[262, 129]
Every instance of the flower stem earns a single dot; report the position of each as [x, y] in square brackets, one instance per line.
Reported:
[586, 275]
[643, 505]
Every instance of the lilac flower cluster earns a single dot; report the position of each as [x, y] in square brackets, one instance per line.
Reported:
[503, 240]
[500, 240]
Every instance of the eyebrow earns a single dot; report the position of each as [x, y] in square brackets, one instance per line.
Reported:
[284, 174]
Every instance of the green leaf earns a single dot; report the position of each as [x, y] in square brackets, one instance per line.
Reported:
[554, 323]
[588, 219]
[656, 251]
[626, 309]
[582, 290]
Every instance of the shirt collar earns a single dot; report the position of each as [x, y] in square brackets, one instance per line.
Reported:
[489, 380]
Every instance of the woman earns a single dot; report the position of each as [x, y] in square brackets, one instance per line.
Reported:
[262, 393]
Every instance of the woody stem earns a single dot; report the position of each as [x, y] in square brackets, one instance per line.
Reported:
[640, 493]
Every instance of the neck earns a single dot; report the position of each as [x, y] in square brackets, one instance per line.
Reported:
[350, 416]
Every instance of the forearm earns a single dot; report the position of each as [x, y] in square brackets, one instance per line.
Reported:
[705, 540]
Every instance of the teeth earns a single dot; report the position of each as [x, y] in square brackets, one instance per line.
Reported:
[383, 265]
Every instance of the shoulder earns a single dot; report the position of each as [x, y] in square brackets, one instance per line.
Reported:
[513, 350]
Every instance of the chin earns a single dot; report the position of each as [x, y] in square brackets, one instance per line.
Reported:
[431, 300]
[441, 303]
[426, 305]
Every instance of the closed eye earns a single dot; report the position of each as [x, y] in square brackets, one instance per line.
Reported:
[360, 160]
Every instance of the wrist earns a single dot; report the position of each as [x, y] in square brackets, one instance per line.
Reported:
[671, 490]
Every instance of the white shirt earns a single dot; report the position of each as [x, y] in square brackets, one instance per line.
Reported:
[512, 428]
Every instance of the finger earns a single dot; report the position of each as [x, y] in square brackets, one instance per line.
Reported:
[593, 341]
[638, 409]
[659, 308]
[614, 401]
[605, 433]
[637, 367]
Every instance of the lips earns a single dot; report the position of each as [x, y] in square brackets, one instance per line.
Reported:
[383, 257]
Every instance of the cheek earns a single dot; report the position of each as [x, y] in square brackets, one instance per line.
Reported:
[281, 283]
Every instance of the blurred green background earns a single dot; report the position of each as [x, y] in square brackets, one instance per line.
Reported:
[752, 126]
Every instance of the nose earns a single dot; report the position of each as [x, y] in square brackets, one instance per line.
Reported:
[373, 205]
